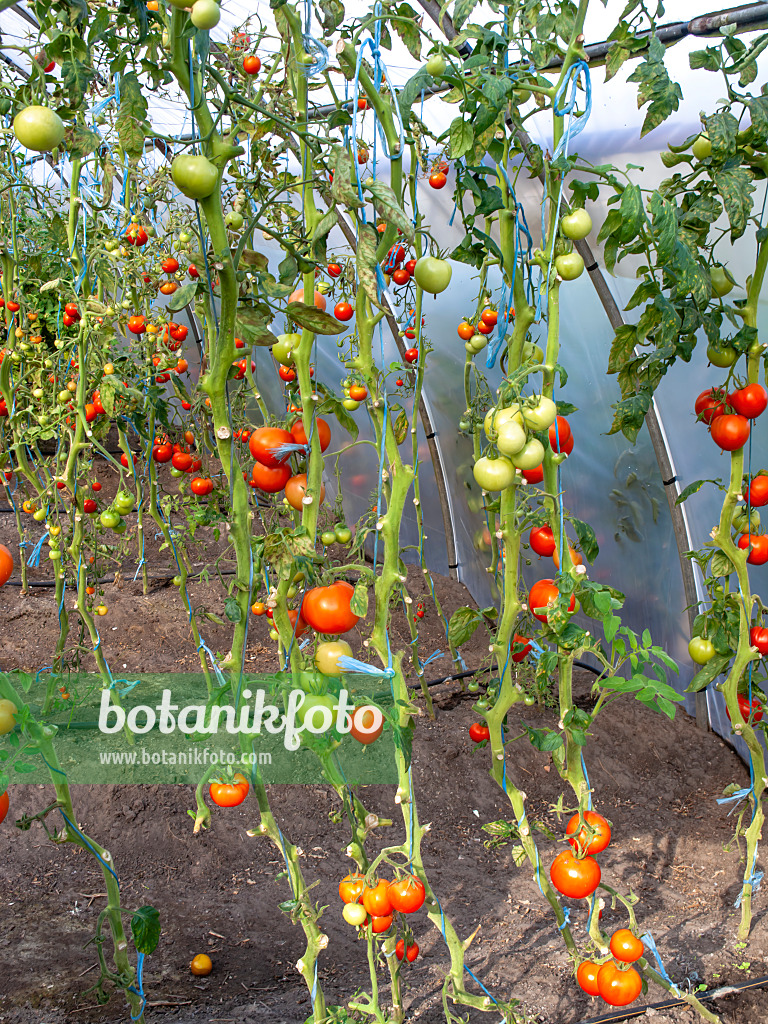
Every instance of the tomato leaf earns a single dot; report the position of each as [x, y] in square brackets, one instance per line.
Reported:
[367, 244]
[251, 326]
[254, 259]
[462, 138]
[463, 624]
[545, 739]
[82, 141]
[232, 610]
[145, 928]
[390, 208]
[405, 24]
[693, 488]
[131, 115]
[401, 426]
[655, 87]
[359, 603]
[326, 222]
[708, 673]
[314, 319]
[587, 539]
[734, 184]
[183, 296]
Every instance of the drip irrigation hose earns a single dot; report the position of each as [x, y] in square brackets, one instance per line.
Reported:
[638, 1011]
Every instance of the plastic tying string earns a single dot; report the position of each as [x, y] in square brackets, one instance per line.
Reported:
[586, 779]
[87, 841]
[647, 939]
[139, 981]
[285, 858]
[754, 881]
[467, 969]
[347, 664]
[592, 905]
[566, 919]
[379, 71]
[34, 558]
[319, 53]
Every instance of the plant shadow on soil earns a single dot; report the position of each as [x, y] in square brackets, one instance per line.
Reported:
[657, 781]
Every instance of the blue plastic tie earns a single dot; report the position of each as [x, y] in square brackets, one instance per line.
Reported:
[347, 664]
[647, 939]
[34, 558]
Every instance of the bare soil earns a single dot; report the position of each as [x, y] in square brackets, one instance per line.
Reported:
[657, 781]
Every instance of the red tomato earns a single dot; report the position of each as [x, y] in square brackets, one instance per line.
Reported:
[381, 924]
[376, 900]
[412, 952]
[410, 266]
[617, 987]
[251, 65]
[322, 428]
[750, 401]
[4, 805]
[709, 405]
[758, 491]
[334, 270]
[327, 609]
[362, 728]
[586, 976]
[201, 486]
[124, 460]
[484, 328]
[758, 547]
[465, 331]
[264, 440]
[96, 485]
[744, 707]
[71, 310]
[542, 595]
[521, 655]
[574, 877]
[343, 311]
[758, 637]
[286, 373]
[542, 541]
[489, 316]
[625, 946]
[407, 894]
[561, 431]
[351, 888]
[162, 452]
[89, 506]
[182, 461]
[411, 355]
[400, 949]
[578, 837]
[230, 794]
[478, 732]
[535, 475]
[401, 276]
[170, 265]
[438, 179]
[270, 479]
[730, 431]
[137, 324]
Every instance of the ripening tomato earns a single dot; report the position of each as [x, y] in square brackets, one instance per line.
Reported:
[407, 894]
[264, 440]
[327, 609]
[758, 637]
[367, 721]
[757, 543]
[586, 977]
[230, 794]
[750, 401]
[351, 888]
[381, 923]
[343, 311]
[542, 596]
[201, 965]
[377, 900]
[354, 914]
[478, 732]
[709, 404]
[323, 432]
[465, 330]
[298, 296]
[296, 491]
[758, 491]
[617, 987]
[574, 877]
[542, 541]
[358, 393]
[592, 836]
[625, 946]
[730, 431]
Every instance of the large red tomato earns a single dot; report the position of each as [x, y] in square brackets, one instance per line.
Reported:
[407, 894]
[263, 442]
[758, 547]
[750, 401]
[542, 595]
[586, 976]
[617, 987]
[326, 609]
[296, 489]
[758, 491]
[322, 428]
[579, 837]
[730, 431]
[268, 479]
[574, 877]
[709, 405]
[6, 564]
[4, 805]
[542, 540]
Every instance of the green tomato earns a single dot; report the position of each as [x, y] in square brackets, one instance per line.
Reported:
[350, 404]
[532, 353]
[569, 266]
[176, 472]
[205, 14]
[121, 527]
[124, 502]
[576, 225]
[722, 355]
[343, 533]
[7, 722]
[701, 650]
[111, 244]
[511, 437]
[109, 519]
[477, 343]
[327, 656]
[38, 128]
[743, 523]
[493, 474]
[195, 176]
[540, 414]
[176, 581]
[234, 220]
[464, 424]
[530, 456]
[721, 283]
[473, 686]
[283, 350]
[494, 419]
[328, 537]
[184, 236]
[436, 65]
[39, 515]
[305, 713]
[433, 275]
[702, 147]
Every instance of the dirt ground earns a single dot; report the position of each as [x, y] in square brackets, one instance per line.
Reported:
[217, 892]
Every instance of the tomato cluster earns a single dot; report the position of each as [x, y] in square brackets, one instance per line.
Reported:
[375, 906]
[577, 875]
